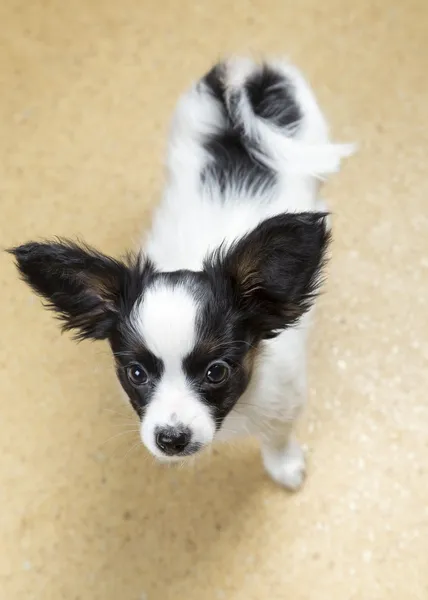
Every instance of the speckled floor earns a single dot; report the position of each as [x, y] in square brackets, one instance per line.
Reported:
[87, 88]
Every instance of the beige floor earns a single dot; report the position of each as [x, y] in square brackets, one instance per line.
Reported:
[87, 88]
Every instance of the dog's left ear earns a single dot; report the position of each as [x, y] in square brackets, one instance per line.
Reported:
[275, 270]
[80, 284]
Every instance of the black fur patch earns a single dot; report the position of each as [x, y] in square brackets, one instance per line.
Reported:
[221, 335]
[127, 349]
[233, 165]
[272, 98]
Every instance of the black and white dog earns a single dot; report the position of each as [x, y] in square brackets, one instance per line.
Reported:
[208, 322]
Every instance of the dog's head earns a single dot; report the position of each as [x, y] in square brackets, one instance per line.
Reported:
[185, 342]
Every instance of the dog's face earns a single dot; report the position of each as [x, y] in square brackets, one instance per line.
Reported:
[184, 343]
[184, 357]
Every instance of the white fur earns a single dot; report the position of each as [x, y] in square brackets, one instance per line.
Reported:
[166, 319]
[190, 222]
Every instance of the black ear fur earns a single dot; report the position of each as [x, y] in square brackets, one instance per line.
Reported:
[81, 285]
[275, 270]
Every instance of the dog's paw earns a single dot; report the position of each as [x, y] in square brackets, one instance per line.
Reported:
[286, 467]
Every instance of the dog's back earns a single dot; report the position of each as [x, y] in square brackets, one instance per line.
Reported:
[248, 142]
[208, 324]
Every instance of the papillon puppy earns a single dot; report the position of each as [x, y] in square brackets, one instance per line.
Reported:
[208, 321]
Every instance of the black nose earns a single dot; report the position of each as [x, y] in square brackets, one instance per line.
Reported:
[173, 440]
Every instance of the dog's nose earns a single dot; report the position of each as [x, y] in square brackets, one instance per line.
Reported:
[173, 440]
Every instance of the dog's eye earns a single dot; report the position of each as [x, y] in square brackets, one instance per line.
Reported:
[137, 376]
[217, 373]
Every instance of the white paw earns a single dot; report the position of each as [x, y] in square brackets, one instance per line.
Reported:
[287, 467]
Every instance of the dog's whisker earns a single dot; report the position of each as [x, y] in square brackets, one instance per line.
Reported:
[121, 433]
[120, 414]
[130, 450]
[125, 415]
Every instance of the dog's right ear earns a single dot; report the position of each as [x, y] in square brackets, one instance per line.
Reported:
[84, 287]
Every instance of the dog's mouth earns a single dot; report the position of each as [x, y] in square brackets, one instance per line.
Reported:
[190, 451]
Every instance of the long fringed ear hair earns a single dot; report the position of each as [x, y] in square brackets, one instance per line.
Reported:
[276, 270]
[83, 286]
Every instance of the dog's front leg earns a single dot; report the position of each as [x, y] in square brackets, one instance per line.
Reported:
[283, 457]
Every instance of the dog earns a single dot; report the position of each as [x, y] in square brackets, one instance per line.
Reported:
[208, 321]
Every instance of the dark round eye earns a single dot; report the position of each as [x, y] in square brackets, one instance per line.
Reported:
[217, 373]
[137, 375]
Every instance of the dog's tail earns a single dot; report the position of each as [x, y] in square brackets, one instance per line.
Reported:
[276, 115]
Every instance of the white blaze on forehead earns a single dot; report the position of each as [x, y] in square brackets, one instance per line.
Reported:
[166, 320]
